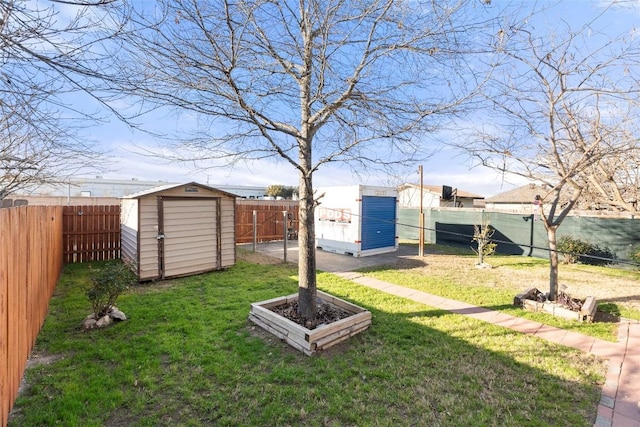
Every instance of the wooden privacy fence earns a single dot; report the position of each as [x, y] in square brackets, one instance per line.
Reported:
[91, 233]
[269, 219]
[30, 265]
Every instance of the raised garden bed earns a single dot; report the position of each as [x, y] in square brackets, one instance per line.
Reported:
[304, 339]
[580, 310]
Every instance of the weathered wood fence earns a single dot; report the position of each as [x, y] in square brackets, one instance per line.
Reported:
[91, 233]
[270, 221]
[30, 265]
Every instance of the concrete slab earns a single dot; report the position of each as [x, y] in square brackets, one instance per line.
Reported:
[332, 262]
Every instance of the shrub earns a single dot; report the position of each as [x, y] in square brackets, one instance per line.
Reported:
[572, 248]
[107, 283]
[634, 255]
[576, 250]
[482, 236]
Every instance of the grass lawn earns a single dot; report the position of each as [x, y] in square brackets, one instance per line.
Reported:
[450, 272]
[188, 356]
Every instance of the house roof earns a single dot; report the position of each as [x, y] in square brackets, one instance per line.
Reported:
[172, 186]
[525, 194]
[437, 189]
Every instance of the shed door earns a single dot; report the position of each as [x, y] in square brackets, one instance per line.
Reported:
[378, 227]
[189, 236]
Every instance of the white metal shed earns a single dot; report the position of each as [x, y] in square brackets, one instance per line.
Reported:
[357, 220]
[178, 230]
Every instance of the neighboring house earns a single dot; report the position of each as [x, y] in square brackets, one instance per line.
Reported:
[519, 200]
[409, 197]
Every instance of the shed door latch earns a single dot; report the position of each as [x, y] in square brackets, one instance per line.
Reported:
[160, 236]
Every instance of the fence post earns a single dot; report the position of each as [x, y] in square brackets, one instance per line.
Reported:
[286, 233]
[255, 229]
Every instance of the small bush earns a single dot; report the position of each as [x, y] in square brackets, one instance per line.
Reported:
[576, 250]
[572, 248]
[107, 283]
[634, 254]
[482, 236]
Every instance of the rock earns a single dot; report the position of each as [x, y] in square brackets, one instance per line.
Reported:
[116, 314]
[104, 321]
[89, 323]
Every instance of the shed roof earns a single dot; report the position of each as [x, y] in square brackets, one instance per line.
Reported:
[437, 189]
[162, 188]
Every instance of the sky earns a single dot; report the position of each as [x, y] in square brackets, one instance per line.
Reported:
[446, 167]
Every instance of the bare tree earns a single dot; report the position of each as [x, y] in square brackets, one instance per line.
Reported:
[311, 82]
[41, 61]
[613, 183]
[563, 112]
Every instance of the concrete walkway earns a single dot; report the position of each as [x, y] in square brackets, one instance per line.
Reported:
[620, 400]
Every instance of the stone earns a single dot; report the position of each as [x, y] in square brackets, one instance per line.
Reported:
[104, 321]
[89, 323]
[116, 314]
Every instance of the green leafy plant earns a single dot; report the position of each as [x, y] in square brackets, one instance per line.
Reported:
[634, 254]
[482, 236]
[572, 248]
[577, 250]
[107, 283]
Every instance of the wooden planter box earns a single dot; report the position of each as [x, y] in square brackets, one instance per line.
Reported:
[586, 313]
[306, 340]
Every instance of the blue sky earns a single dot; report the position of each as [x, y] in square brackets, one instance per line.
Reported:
[446, 167]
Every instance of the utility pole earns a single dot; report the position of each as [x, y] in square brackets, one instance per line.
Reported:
[421, 218]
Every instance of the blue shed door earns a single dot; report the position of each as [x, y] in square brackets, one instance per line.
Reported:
[378, 222]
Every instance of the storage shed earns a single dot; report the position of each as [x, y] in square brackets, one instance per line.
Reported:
[178, 230]
[357, 220]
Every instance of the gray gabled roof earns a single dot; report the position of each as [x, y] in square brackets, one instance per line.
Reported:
[166, 187]
[525, 194]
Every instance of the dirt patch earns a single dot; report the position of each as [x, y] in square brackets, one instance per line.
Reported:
[256, 257]
[37, 359]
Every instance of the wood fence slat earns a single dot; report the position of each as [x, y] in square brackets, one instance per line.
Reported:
[30, 264]
[4, 322]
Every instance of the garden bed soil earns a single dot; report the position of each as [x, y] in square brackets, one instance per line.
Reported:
[337, 321]
[565, 306]
[325, 315]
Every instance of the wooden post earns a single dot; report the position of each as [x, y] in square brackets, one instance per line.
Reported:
[286, 233]
[421, 218]
[255, 229]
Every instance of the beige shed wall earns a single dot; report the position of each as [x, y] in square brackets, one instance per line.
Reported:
[228, 231]
[129, 230]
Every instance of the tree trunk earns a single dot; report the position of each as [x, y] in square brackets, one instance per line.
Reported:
[553, 263]
[307, 305]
